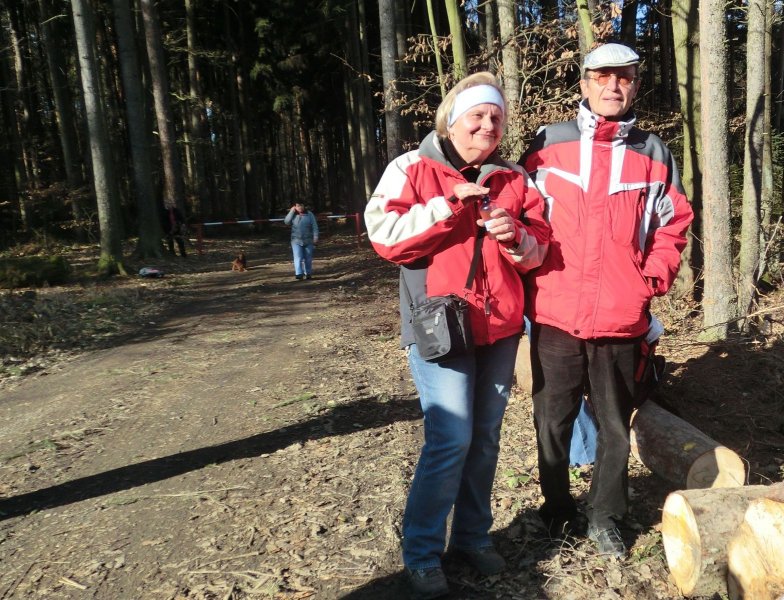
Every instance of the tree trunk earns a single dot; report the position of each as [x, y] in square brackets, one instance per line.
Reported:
[696, 528]
[665, 50]
[460, 65]
[436, 48]
[173, 188]
[150, 232]
[752, 163]
[686, 42]
[755, 554]
[10, 152]
[490, 39]
[66, 119]
[680, 453]
[197, 119]
[386, 15]
[585, 29]
[766, 198]
[354, 129]
[367, 118]
[629, 23]
[509, 51]
[719, 301]
[106, 190]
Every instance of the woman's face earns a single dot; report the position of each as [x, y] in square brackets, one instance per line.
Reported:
[477, 132]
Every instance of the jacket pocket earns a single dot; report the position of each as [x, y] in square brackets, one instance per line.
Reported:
[626, 215]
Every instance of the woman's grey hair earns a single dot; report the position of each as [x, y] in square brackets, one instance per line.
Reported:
[445, 108]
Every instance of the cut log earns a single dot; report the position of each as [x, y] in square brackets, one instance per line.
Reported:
[696, 528]
[755, 554]
[680, 453]
[523, 365]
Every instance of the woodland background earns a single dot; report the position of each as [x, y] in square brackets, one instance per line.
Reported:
[233, 109]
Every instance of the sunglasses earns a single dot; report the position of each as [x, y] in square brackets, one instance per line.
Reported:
[604, 79]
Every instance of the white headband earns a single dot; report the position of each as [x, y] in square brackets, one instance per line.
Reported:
[478, 94]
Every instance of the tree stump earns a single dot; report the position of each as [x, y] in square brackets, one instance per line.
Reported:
[680, 453]
[755, 554]
[696, 528]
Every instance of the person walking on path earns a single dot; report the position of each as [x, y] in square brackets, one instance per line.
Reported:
[424, 215]
[619, 218]
[304, 237]
[174, 229]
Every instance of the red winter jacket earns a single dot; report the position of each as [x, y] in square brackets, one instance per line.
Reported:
[412, 222]
[619, 218]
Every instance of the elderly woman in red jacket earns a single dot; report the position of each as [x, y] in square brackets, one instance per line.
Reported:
[424, 215]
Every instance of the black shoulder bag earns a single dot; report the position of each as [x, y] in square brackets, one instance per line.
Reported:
[441, 325]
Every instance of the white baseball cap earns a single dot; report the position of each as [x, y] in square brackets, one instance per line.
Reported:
[610, 55]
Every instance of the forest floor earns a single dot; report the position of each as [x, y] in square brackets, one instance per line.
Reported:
[223, 435]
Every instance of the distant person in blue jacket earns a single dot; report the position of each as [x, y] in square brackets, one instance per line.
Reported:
[304, 236]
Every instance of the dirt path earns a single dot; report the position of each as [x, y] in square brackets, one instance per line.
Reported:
[257, 442]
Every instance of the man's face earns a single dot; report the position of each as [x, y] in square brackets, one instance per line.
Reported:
[300, 208]
[611, 99]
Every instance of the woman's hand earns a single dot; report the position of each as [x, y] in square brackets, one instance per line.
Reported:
[469, 192]
[500, 227]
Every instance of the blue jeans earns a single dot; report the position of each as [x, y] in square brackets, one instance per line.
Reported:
[303, 255]
[463, 400]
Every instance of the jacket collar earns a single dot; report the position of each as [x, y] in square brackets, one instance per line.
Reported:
[599, 128]
[434, 148]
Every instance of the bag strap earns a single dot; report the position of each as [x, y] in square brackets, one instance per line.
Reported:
[480, 238]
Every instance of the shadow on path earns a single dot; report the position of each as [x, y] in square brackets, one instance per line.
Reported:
[364, 413]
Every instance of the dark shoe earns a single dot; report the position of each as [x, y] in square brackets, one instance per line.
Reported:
[485, 560]
[299, 277]
[427, 583]
[608, 541]
[308, 276]
[561, 527]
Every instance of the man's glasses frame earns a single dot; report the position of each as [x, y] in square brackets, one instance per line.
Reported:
[603, 78]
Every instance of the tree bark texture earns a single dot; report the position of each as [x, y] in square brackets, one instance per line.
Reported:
[686, 45]
[386, 15]
[719, 300]
[150, 232]
[105, 185]
[173, 188]
[460, 64]
[509, 51]
[752, 162]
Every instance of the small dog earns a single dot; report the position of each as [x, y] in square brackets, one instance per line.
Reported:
[240, 263]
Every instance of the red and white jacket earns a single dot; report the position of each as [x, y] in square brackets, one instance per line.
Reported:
[619, 218]
[414, 220]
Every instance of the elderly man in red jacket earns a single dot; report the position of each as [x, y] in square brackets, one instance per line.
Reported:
[619, 218]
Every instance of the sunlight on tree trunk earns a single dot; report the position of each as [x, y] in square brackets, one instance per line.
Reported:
[460, 65]
[509, 51]
[686, 40]
[752, 161]
[104, 181]
[719, 301]
[584, 17]
[436, 49]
